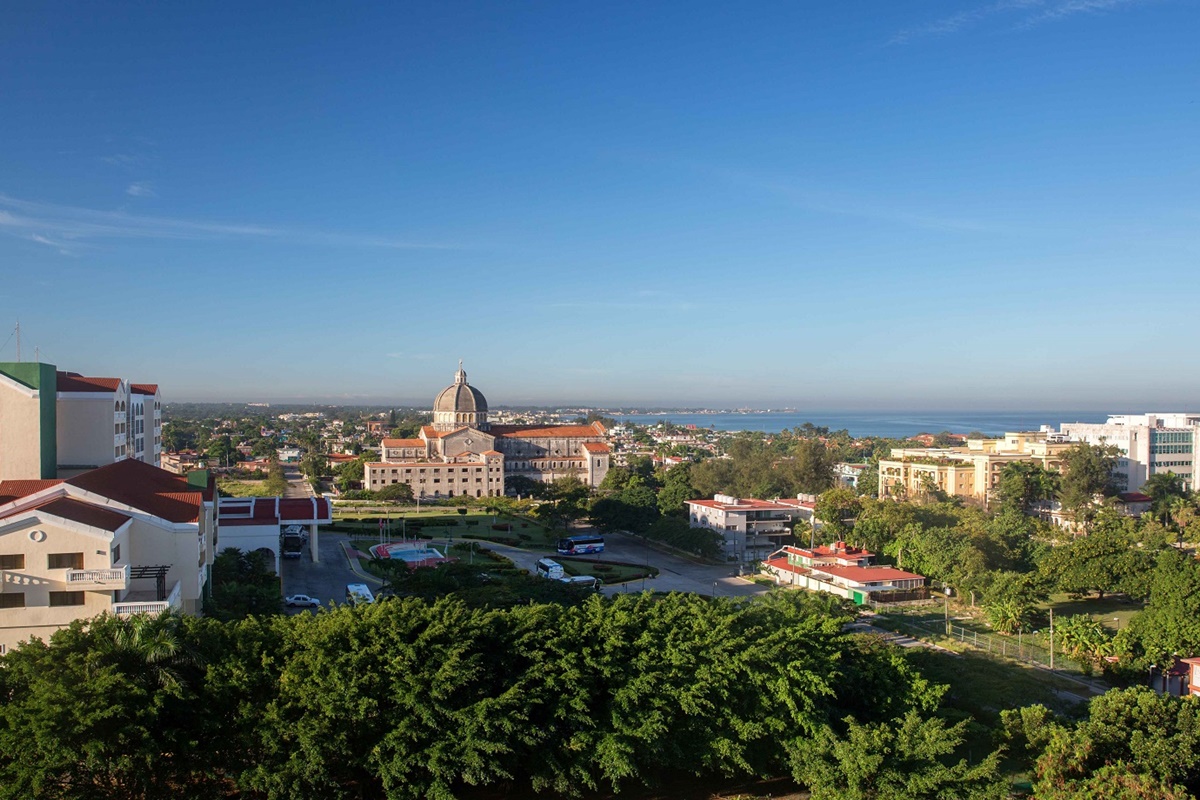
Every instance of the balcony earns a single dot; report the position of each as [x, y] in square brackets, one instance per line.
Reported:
[99, 579]
[142, 603]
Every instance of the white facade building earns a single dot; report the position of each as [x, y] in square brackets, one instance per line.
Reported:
[57, 424]
[1150, 444]
[127, 538]
[752, 528]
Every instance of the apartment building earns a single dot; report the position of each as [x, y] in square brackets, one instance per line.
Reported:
[972, 471]
[1149, 443]
[126, 538]
[752, 528]
[56, 424]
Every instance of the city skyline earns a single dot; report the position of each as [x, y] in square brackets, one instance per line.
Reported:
[989, 206]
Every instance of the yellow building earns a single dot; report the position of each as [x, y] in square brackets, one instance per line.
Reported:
[972, 471]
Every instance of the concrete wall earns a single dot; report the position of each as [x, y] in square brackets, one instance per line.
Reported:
[87, 428]
[21, 442]
[37, 580]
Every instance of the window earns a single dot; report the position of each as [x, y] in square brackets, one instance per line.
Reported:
[66, 561]
[66, 599]
[14, 561]
[116, 553]
[12, 600]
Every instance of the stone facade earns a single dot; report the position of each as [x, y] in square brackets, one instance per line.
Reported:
[463, 454]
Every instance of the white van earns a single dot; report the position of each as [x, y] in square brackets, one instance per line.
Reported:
[358, 593]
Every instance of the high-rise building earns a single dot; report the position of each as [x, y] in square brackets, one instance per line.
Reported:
[56, 424]
[1150, 444]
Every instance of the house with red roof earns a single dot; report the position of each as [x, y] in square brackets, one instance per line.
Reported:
[845, 571]
[57, 424]
[125, 538]
[463, 454]
[257, 523]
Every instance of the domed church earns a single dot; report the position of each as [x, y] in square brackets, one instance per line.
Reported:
[462, 454]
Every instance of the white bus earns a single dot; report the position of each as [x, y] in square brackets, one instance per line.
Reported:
[358, 593]
[548, 568]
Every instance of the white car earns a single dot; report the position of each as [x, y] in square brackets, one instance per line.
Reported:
[301, 600]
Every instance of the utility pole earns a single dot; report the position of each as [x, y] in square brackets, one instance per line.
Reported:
[1052, 638]
[18, 341]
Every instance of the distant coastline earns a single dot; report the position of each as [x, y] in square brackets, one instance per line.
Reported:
[898, 424]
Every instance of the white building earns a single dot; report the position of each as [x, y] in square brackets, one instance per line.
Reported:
[1149, 443]
[126, 538]
[846, 572]
[56, 424]
[752, 528]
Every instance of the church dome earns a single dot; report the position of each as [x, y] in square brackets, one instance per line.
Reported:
[460, 404]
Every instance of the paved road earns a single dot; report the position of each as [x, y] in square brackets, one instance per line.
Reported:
[297, 486]
[326, 580]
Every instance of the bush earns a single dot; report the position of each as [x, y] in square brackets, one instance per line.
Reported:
[503, 526]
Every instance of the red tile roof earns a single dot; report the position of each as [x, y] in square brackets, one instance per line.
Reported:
[85, 513]
[1134, 497]
[548, 431]
[868, 574]
[74, 382]
[305, 509]
[404, 443]
[144, 388]
[430, 432]
[746, 503]
[838, 550]
[595, 447]
[144, 487]
[15, 490]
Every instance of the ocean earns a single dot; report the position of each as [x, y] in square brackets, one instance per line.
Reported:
[896, 425]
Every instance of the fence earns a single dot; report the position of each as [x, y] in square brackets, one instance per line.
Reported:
[1016, 648]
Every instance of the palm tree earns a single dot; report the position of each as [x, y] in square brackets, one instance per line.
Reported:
[144, 645]
[1163, 488]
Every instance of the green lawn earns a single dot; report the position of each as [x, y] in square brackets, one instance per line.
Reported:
[238, 488]
[440, 524]
[1114, 612]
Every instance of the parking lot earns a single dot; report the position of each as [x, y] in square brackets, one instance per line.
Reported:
[325, 580]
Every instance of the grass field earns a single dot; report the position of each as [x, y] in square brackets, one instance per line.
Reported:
[237, 488]
[608, 571]
[1114, 611]
[441, 524]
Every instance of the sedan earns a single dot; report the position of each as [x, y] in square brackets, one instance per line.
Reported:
[301, 600]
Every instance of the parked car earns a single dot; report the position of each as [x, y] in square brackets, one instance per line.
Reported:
[302, 600]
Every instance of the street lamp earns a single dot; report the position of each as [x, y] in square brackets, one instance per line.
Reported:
[714, 589]
[946, 590]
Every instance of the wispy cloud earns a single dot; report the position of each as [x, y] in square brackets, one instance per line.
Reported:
[841, 204]
[1019, 14]
[70, 225]
[141, 189]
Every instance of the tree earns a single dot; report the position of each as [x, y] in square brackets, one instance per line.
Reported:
[1024, 483]
[243, 583]
[1164, 490]
[1103, 561]
[1088, 472]
[1083, 638]
[676, 490]
[1170, 622]
[836, 508]
[396, 493]
[901, 759]
[811, 466]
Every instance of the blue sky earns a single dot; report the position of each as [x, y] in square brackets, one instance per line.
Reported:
[989, 205]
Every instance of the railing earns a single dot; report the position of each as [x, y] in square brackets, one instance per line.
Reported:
[150, 607]
[110, 578]
[172, 603]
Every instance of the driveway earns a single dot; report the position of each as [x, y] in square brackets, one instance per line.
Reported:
[325, 581]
